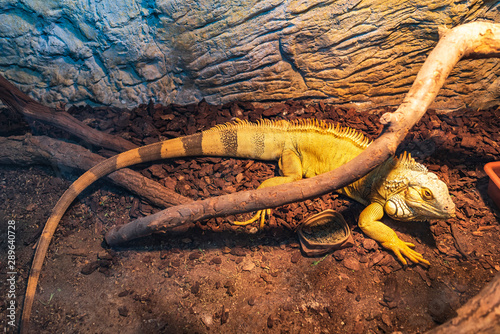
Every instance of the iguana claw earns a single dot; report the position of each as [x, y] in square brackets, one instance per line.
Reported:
[369, 222]
[260, 215]
[402, 249]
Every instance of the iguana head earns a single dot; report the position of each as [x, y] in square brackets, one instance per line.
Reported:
[416, 193]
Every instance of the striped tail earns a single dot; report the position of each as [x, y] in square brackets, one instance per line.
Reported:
[238, 139]
[178, 147]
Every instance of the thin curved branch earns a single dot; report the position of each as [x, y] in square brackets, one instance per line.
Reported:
[32, 110]
[478, 39]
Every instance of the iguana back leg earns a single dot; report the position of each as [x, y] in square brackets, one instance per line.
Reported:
[370, 224]
[291, 170]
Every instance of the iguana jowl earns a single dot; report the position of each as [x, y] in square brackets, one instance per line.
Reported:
[403, 188]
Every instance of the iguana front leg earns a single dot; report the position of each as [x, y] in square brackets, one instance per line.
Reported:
[291, 169]
[370, 224]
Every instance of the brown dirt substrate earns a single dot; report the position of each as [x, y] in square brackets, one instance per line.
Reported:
[221, 278]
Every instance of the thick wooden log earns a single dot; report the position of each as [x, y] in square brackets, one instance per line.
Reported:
[32, 110]
[481, 314]
[28, 150]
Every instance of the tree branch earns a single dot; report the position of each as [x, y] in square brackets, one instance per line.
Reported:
[32, 110]
[26, 150]
[481, 314]
[478, 39]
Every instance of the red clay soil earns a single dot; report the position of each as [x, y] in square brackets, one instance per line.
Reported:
[220, 278]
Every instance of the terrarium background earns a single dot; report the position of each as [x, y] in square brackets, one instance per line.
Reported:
[124, 53]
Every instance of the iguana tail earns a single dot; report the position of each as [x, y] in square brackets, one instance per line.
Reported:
[239, 139]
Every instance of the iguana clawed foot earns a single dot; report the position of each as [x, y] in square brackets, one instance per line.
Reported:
[260, 215]
[369, 222]
[402, 249]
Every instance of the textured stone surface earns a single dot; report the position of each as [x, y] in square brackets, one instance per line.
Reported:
[127, 52]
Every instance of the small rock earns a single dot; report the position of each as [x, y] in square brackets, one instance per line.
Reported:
[106, 271]
[469, 142]
[195, 289]
[216, 260]
[163, 254]
[195, 255]
[146, 209]
[124, 293]
[123, 311]
[386, 319]
[274, 110]
[89, 268]
[375, 259]
[157, 171]
[266, 278]
[339, 254]
[238, 251]
[239, 177]
[391, 292]
[469, 211]
[363, 259]
[295, 257]
[351, 263]
[440, 310]
[253, 230]
[207, 320]
[424, 276]
[231, 289]
[175, 263]
[171, 272]
[105, 263]
[270, 321]
[162, 265]
[251, 301]
[248, 266]
[224, 315]
[389, 263]
[369, 244]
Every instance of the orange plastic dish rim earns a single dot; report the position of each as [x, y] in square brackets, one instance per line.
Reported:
[494, 182]
[330, 214]
[488, 168]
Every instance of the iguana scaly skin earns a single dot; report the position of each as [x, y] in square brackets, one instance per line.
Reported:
[402, 188]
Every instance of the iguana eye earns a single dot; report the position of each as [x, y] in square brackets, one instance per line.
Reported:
[426, 194]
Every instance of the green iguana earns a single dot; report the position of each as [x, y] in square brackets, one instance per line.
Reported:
[403, 188]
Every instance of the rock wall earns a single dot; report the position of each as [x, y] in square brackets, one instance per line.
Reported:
[127, 52]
